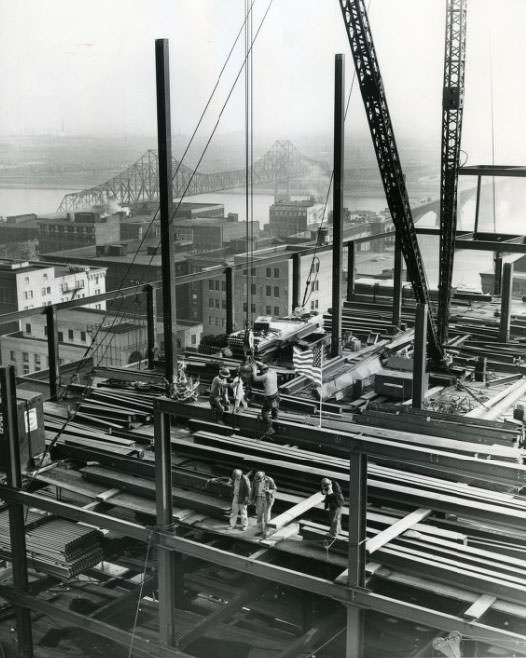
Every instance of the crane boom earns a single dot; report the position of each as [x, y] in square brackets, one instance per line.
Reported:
[375, 102]
[452, 109]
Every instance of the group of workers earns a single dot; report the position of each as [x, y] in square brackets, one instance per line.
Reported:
[261, 493]
[241, 387]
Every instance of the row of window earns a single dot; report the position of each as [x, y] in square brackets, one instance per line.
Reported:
[217, 303]
[218, 322]
[216, 284]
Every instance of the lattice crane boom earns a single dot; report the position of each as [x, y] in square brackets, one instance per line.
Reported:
[452, 109]
[375, 102]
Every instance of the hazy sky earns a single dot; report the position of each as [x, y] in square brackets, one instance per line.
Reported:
[89, 66]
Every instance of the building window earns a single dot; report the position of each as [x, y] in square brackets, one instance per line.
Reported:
[276, 291]
[43, 291]
[252, 308]
[28, 328]
[37, 361]
[223, 303]
[25, 357]
[217, 303]
[268, 291]
[193, 339]
[210, 284]
[217, 322]
[253, 288]
[83, 336]
[26, 369]
[60, 337]
[245, 307]
[276, 272]
[218, 283]
[223, 285]
[45, 276]
[252, 271]
[269, 272]
[12, 355]
[314, 305]
[210, 303]
[26, 279]
[276, 310]
[268, 310]
[315, 285]
[70, 334]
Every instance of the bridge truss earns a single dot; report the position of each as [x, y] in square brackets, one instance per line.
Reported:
[140, 182]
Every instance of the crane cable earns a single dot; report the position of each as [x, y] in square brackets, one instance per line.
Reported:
[99, 328]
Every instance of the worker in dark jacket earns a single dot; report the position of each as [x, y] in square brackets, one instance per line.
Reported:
[240, 496]
[334, 505]
[263, 494]
[269, 411]
[219, 401]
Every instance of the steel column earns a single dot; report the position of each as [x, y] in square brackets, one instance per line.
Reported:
[229, 284]
[17, 533]
[296, 280]
[337, 205]
[52, 348]
[166, 563]
[497, 280]
[397, 283]
[420, 356]
[477, 206]
[164, 141]
[356, 551]
[505, 303]
[151, 320]
[350, 270]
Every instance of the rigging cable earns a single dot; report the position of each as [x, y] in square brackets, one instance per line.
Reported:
[492, 116]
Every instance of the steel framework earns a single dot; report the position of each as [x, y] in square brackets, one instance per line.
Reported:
[375, 102]
[140, 181]
[452, 109]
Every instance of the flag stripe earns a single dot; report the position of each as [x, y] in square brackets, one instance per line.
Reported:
[308, 363]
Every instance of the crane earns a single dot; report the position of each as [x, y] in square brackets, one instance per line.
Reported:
[452, 109]
[374, 98]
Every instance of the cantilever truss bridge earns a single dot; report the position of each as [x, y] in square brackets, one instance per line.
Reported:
[140, 181]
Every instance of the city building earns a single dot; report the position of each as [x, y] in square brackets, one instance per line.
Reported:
[287, 217]
[208, 234]
[77, 229]
[115, 340]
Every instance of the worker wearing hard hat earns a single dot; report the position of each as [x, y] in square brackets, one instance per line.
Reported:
[240, 496]
[270, 408]
[263, 494]
[334, 505]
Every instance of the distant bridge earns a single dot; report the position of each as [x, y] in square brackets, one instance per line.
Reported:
[140, 182]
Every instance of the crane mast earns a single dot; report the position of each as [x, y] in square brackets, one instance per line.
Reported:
[452, 108]
[380, 125]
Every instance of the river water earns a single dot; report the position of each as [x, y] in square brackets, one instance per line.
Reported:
[468, 264]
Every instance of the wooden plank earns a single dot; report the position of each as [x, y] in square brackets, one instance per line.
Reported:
[396, 529]
[293, 512]
[480, 606]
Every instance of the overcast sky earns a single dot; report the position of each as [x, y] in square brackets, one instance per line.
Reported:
[89, 67]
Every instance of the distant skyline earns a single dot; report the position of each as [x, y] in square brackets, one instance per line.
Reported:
[88, 68]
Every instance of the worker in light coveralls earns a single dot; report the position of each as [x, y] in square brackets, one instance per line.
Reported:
[240, 496]
[263, 494]
[270, 408]
[334, 506]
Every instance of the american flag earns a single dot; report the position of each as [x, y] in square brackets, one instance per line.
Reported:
[308, 362]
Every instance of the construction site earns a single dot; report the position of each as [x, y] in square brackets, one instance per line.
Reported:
[349, 484]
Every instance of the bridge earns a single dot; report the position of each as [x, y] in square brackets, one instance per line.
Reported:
[140, 182]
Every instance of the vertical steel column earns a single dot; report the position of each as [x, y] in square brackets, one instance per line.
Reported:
[477, 207]
[52, 349]
[497, 279]
[337, 206]
[151, 319]
[420, 356]
[356, 551]
[350, 269]
[166, 563]
[164, 141]
[397, 283]
[229, 284]
[505, 302]
[296, 280]
[16, 511]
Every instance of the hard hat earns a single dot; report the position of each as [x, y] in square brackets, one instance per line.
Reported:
[326, 481]
[259, 475]
[224, 372]
[237, 472]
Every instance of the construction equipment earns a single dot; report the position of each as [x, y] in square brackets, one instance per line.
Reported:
[373, 94]
[452, 108]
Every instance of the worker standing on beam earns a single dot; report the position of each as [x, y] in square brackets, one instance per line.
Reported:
[334, 505]
[270, 408]
[263, 494]
[219, 401]
[241, 491]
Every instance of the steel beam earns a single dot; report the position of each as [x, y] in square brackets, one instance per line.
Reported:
[420, 356]
[337, 205]
[151, 326]
[357, 519]
[350, 270]
[497, 279]
[52, 348]
[493, 170]
[505, 307]
[164, 141]
[17, 533]
[296, 279]
[229, 285]
[397, 284]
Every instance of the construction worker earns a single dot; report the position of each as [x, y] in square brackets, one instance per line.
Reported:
[270, 408]
[219, 401]
[240, 496]
[334, 505]
[245, 372]
[263, 494]
[238, 389]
